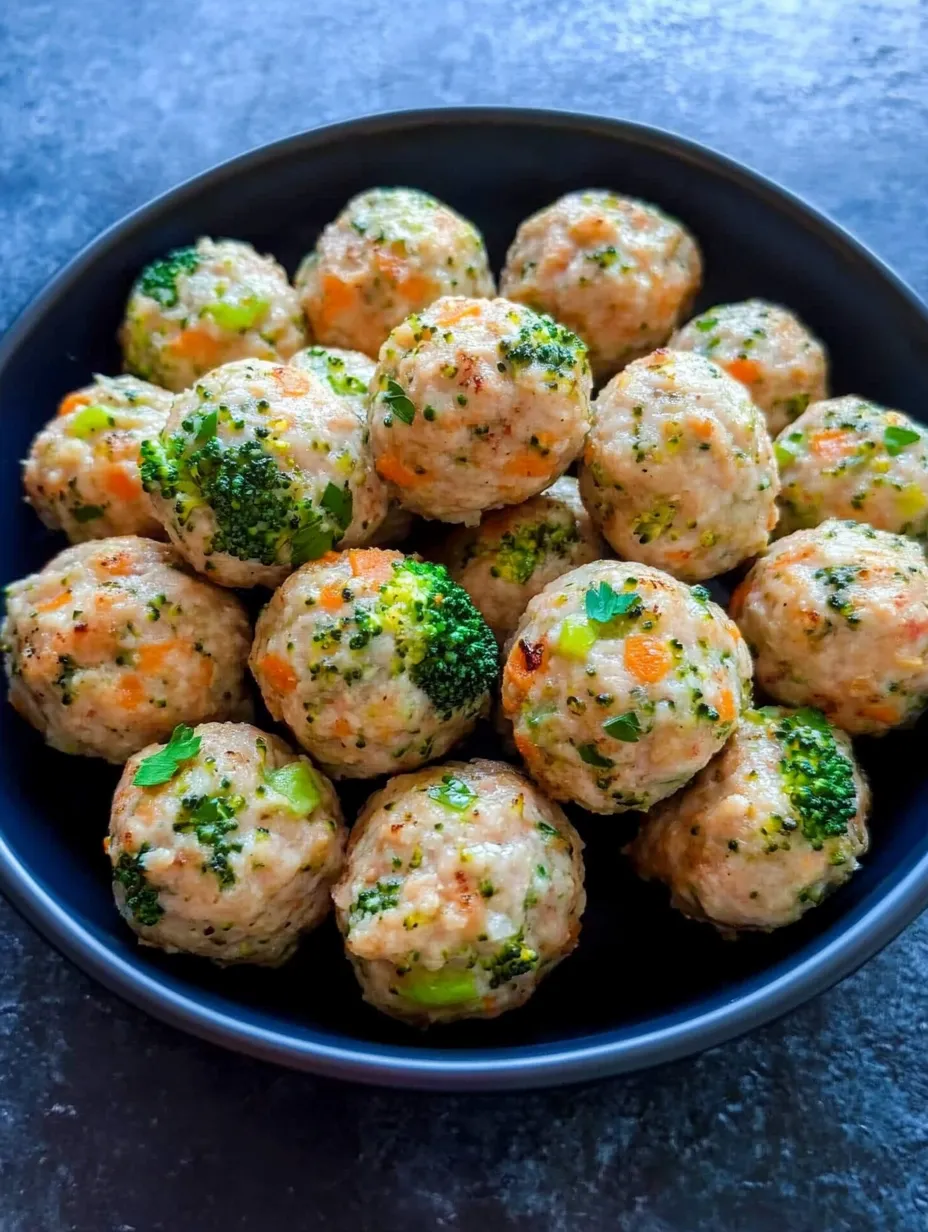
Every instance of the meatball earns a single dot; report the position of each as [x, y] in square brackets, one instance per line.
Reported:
[837, 618]
[514, 553]
[203, 306]
[619, 272]
[463, 887]
[114, 642]
[772, 825]
[477, 404]
[621, 683]
[260, 468]
[679, 470]
[377, 663]
[224, 844]
[390, 252]
[849, 458]
[82, 473]
[768, 349]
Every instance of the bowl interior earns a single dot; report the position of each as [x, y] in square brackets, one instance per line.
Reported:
[639, 967]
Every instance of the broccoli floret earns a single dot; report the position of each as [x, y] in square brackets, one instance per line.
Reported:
[211, 818]
[443, 640]
[543, 341]
[381, 897]
[511, 960]
[159, 280]
[257, 515]
[141, 898]
[818, 776]
[519, 552]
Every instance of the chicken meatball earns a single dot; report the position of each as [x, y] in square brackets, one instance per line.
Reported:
[772, 825]
[463, 887]
[837, 618]
[849, 458]
[514, 553]
[621, 683]
[377, 662]
[82, 473]
[391, 251]
[767, 349]
[619, 272]
[260, 468]
[476, 404]
[679, 470]
[114, 642]
[207, 305]
[224, 844]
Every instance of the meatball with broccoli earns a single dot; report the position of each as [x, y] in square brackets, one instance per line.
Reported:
[377, 662]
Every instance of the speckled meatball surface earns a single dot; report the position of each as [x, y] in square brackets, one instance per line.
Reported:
[837, 618]
[114, 642]
[462, 889]
[377, 662]
[232, 855]
[391, 251]
[207, 305]
[82, 472]
[619, 272]
[767, 830]
[853, 459]
[783, 366]
[260, 468]
[514, 553]
[621, 683]
[678, 469]
[476, 404]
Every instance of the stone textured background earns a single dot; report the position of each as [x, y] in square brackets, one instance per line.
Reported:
[110, 1122]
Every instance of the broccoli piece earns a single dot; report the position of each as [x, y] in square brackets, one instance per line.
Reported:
[817, 776]
[159, 280]
[542, 341]
[511, 960]
[211, 818]
[141, 898]
[440, 636]
[333, 369]
[381, 897]
[519, 552]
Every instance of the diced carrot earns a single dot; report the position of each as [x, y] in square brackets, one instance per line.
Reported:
[416, 288]
[703, 428]
[52, 605]
[527, 466]
[130, 692]
[72, 402]
[524, 660]
[330, 597]
[150, 659]
[832, 444]
[390, 467]
[738, 596]
[454, 313]
[291, 381]
[747, 371]
[647, 658]
[522, 743]
[373, 563]
[591, 230]
[727, 708]
[122, 483]
[118, 564]
[199, 346]
[279, 673]
[341, 727]
[796, 555]
[338, 297]
[880, 712]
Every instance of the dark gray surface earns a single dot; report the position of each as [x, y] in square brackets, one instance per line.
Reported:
[110, 1122]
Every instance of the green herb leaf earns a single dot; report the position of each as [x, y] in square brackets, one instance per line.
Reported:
[309, 543]
[705, 324]
[298, 784]
[603, 603]
[164, 764]
[87, 513]
[623, 727]
[399, 403]
[339, 502]
[591, 755]
[207, 428]
[895, 439]
[453, 793]
[345, 384]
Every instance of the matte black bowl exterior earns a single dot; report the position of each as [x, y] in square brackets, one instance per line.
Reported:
[644, 986]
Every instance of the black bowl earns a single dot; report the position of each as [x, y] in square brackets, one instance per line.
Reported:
[645, 985]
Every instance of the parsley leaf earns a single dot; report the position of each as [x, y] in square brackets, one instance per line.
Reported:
[399, 404]
[705, 324]
[339, 502]
[591, 755]
[309, 543]
[623, 727]
[207, 428]
[453, 793]
[163, 765]
[895, 439]
[602, 603]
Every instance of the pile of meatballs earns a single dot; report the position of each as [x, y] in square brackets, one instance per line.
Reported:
[293, 437]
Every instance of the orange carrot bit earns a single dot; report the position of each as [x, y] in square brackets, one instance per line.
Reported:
[121, 483]
[527, 466]
[391, 468]
[291, 382]
[72, 402]
[130, 692]
[738, 596]
[199, 346]
[330, 597]
[880, 712]
[457, 310]
[341, 728]
[524, 660]
[151, 658]
[647, 658]
[832, 444]
[416, 288]
[373, 563]
[591, 230]
[727, 708]
[747, 371]
[338, 297]
[52, 605]
[279, 673]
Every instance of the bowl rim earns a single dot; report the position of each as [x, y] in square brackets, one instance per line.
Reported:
[605, 1052]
